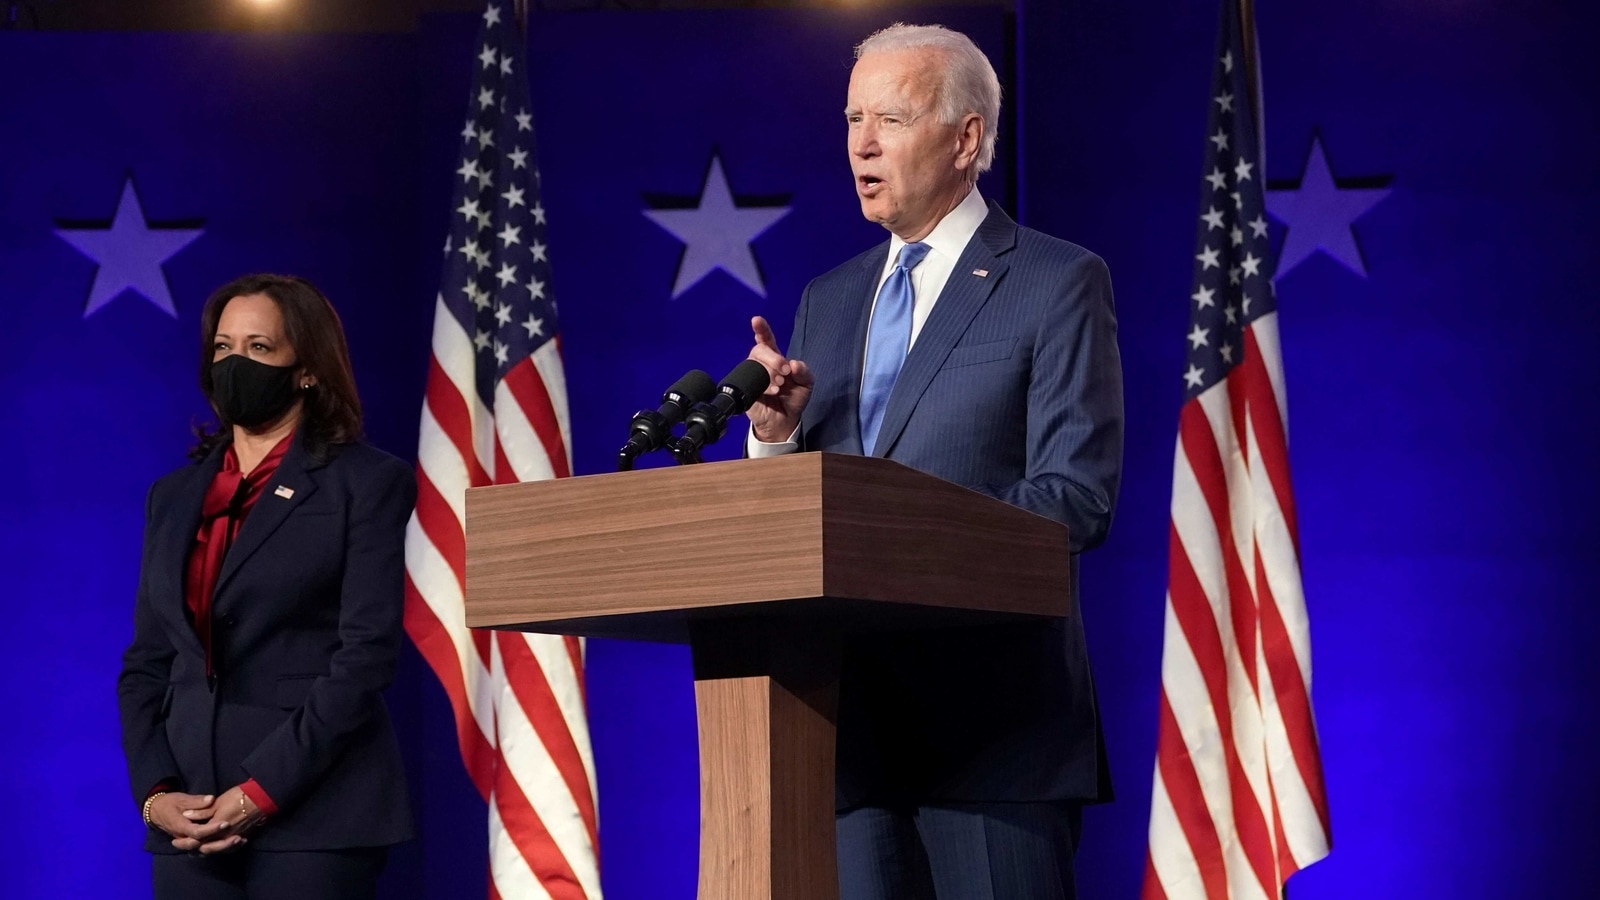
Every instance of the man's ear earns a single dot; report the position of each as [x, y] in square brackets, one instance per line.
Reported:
[969, 141]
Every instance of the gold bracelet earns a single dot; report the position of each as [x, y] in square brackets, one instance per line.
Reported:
[148, 802]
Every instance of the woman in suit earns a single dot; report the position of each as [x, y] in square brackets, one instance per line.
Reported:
[268, 620]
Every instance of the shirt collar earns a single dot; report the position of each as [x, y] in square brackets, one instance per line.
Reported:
[950, 237]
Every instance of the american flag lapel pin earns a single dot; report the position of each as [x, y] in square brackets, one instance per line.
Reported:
[981, 273]
[283, 491]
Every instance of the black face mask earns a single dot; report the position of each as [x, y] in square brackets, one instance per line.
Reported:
[250, 393]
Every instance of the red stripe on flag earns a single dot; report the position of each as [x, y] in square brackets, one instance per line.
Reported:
[433, 642]
[532, 840]
[1205, 460]
[575, 653]
[450, 409]
[538, 701]
[443, 529]
[503, 473]
[439, 523]
[1183, 789]
[1271, 437]
[1199, 625]
[525, 384]
[1294, 703]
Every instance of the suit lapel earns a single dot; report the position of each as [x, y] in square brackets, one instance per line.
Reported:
[864, 284]
[295, 473]
[181, 523]
[963, 296]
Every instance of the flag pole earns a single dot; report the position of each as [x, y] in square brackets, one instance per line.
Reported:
[1247, 30]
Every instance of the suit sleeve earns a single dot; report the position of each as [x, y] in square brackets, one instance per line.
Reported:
[288, 763]
[142, 686]
[1075, 416]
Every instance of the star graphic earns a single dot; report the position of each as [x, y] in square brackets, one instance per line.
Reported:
[130, 254]
[717, 234]
[1319, 215]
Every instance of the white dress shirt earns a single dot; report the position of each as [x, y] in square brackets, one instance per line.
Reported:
[945, 243]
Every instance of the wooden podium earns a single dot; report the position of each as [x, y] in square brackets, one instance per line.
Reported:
[763, 566]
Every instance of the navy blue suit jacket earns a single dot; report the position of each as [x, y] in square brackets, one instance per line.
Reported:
[306, 627]
[1013, 388]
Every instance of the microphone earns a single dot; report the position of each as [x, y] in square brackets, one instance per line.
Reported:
[652, 428]
[709, 420]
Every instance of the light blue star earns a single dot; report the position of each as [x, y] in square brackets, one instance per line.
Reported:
[130, 254]
[1319, 215]
[717, 234]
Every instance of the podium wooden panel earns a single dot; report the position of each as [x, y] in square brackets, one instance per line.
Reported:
[764, 566]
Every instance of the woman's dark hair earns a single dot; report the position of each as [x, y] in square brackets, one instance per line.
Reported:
[332, 410]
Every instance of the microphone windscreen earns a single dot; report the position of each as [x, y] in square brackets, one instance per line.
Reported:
[696, 385]
[750, 378]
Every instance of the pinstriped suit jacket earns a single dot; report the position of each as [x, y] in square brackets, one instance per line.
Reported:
[1013, 388]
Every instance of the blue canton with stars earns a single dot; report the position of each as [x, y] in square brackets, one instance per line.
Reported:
[1232, 269]
[496, 278]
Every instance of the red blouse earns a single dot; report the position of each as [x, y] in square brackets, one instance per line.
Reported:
[228, 501]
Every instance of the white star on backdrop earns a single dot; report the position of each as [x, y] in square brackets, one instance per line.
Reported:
[717, 234]
[130, 254]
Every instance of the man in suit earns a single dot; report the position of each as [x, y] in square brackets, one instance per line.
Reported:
[984, 353]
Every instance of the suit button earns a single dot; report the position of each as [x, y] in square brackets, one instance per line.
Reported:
[229, 621]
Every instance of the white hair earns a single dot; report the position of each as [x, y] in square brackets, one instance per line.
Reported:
[967, 85]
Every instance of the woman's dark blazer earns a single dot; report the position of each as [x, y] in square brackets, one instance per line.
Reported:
[307, 622]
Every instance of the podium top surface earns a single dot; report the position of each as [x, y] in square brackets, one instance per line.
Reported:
[843, 542]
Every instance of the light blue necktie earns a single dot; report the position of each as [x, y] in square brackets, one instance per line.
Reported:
[888, 340]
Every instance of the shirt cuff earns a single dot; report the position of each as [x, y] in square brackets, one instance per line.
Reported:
[755, 448]
[259, 797]
[162, 787]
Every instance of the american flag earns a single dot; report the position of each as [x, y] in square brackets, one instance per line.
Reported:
[1238, 803]
[496, 412]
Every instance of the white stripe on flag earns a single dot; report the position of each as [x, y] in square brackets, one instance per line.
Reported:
[529, 459]
[437, 585]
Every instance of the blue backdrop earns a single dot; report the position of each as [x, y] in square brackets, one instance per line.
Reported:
[1440, 408]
